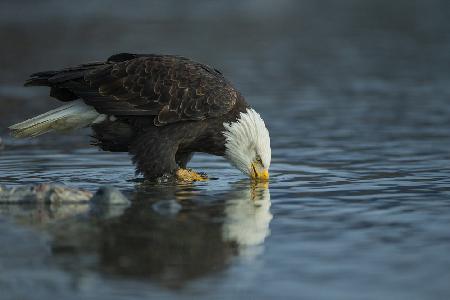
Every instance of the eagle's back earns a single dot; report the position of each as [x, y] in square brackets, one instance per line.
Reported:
[166, 87]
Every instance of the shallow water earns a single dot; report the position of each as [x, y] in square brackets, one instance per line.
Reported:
[358, 205]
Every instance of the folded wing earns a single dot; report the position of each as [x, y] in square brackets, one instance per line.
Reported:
[170, 88]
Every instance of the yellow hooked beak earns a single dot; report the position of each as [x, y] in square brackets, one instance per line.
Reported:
[258, 172]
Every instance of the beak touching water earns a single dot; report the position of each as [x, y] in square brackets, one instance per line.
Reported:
[259, 172]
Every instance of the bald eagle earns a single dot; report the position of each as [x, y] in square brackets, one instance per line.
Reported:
[159, 108]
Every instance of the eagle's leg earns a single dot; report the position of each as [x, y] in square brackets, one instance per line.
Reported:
[182, 158]
[184, 174]
[154, 156]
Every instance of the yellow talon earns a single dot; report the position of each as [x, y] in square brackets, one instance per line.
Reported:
[189, 175]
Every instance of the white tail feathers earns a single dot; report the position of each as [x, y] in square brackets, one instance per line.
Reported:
[74, 115]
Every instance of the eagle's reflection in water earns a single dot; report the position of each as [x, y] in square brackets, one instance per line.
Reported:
[169, 241]
[247, 218]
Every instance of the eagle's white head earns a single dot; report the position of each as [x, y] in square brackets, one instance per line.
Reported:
[247, 145]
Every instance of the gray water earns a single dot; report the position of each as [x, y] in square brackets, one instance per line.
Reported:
[356, 98]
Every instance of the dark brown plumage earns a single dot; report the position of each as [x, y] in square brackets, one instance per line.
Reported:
[166, 107]
[171, 88]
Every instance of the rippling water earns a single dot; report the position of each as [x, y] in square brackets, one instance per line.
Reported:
[358, 205]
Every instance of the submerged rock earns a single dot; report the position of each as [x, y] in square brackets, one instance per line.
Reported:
[43, 193]
[108, 202]
[167, 208]
[109, 195]
[59, 194]
[40, 204]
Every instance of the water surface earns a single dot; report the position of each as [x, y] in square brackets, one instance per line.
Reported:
[357, 104]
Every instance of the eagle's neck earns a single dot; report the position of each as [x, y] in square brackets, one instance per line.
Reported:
[212, 140]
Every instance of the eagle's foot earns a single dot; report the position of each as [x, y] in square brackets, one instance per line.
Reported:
[187, 175]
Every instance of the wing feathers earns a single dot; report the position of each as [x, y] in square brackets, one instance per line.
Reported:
[170, 88]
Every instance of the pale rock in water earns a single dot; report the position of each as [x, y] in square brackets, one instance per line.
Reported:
[43, 193]
[60, 194]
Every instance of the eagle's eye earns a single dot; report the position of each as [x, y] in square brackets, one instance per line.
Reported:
[258, 171]
[258, 159]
